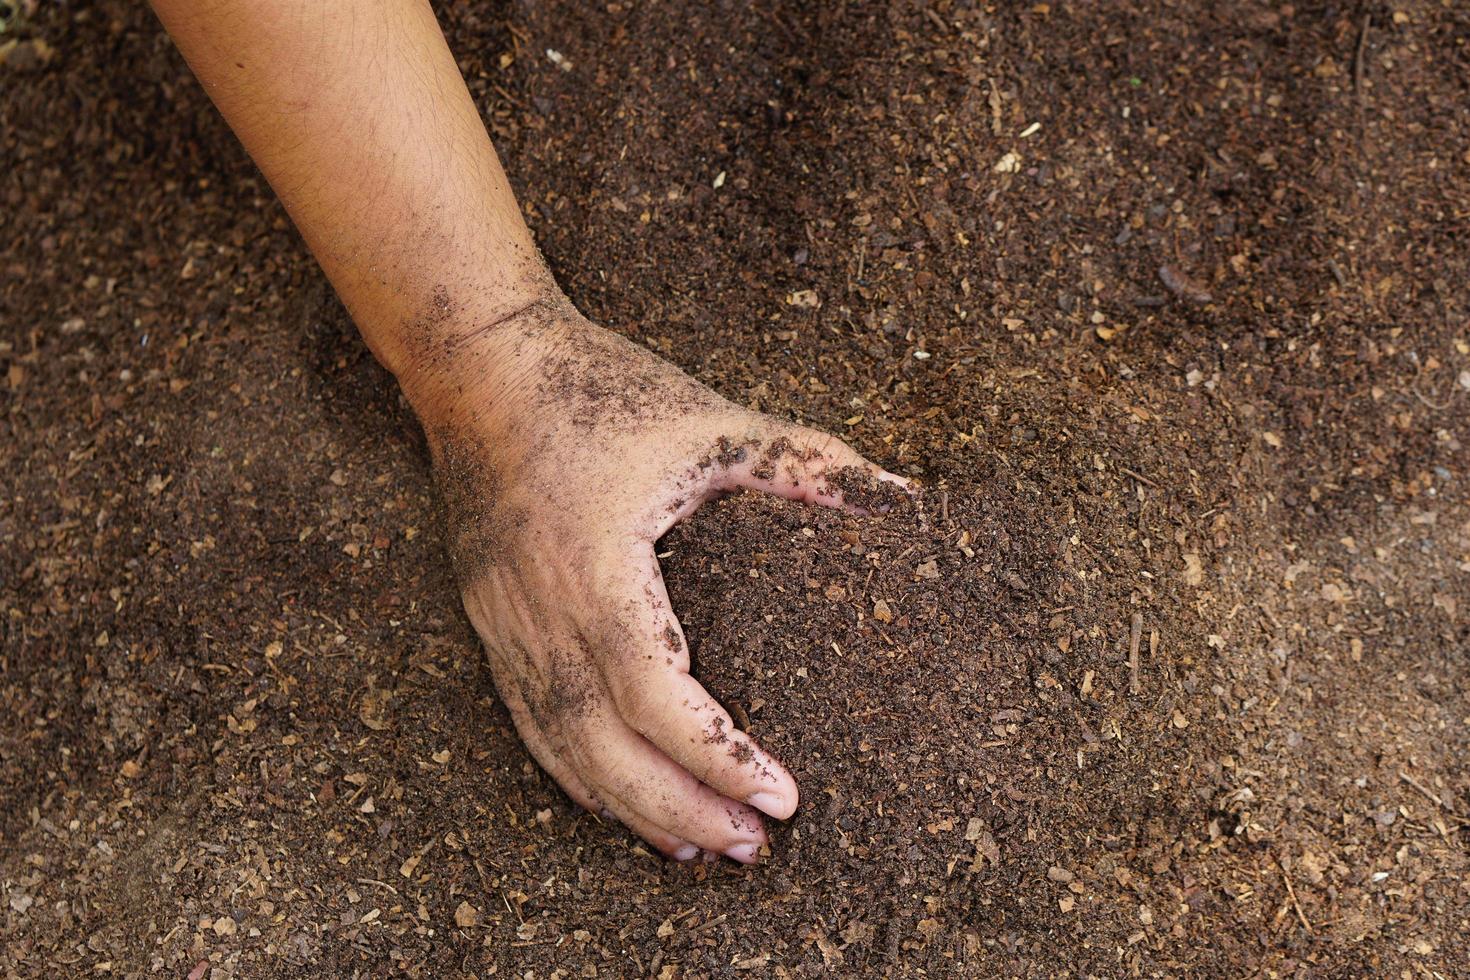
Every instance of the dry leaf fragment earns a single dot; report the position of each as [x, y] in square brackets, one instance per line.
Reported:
[831, 955]
[881, 612]
[466, 915]
[373, 712]
[1182, 285]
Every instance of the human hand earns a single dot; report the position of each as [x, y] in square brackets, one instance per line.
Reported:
[563, 452]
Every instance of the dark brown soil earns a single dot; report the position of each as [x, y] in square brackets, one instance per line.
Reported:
[1184, 372]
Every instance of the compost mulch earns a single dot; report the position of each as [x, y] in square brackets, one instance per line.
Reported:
[1164, 672]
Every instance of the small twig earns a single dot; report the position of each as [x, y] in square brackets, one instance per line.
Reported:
[380, 884]
[1423, 789]
[944, 506]
[1358, 59]
[1437, 408]
[1414, 388]
[1139, 477]
[711, 923]
[1135, 636]
[1291, 893]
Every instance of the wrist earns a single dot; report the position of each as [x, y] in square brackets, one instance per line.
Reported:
[475, 363]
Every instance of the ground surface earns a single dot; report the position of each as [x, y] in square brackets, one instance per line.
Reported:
[245, 731]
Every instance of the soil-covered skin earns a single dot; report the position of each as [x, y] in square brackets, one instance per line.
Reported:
[1167, 675]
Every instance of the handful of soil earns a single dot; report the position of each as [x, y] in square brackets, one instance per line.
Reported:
[899, 667]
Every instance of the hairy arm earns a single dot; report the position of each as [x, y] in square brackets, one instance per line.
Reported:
[562, 452]
[358, 116]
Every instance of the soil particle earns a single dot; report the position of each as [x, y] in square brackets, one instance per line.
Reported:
[727, 453]
[779, 448]
[717, 736]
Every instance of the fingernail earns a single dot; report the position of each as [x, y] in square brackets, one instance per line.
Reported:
[686, 853]
[744, 853]
[772, 804]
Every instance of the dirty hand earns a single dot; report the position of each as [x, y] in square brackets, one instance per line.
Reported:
[563, 452]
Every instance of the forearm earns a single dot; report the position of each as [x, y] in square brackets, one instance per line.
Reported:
[356, 113]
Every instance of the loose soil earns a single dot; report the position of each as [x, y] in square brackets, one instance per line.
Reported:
[1166, 306]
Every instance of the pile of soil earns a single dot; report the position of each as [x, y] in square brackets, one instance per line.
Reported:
[1166, 307]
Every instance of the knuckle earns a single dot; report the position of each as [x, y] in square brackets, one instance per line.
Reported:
[841, 452]
[639, 705]
[826, 448]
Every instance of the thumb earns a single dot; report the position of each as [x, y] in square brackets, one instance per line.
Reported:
[814, 467]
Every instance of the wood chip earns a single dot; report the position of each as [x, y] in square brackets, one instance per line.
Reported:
[1135, 638]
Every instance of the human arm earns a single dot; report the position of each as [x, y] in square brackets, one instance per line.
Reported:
[561, 450]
